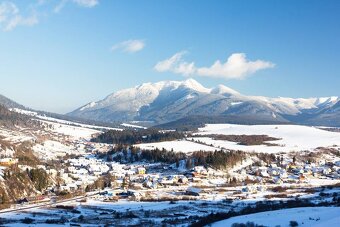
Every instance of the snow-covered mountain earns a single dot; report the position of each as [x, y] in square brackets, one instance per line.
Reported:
[171, 100]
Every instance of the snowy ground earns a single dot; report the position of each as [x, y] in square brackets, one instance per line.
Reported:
[306, 216]
[177, 146]
[16, 136]
[76, 132]
[52, 149]
[35, 114]
[133, 126]
[60, 138]
[293, 137]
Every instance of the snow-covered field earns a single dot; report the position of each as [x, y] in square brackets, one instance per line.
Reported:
[16, 136]
[292, 137]
[52, 149]
[35, 114]
[306, 216]
[76, 132]
[177, 146]
[132, 126]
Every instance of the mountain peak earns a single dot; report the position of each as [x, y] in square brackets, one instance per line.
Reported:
[193, 84]
[224, 90]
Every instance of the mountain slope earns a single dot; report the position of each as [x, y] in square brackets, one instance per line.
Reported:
[167, 101]
[8, 103]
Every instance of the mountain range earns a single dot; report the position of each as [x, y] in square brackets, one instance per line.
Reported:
[168, 101]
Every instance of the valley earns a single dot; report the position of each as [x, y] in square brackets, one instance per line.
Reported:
[221, 113]
[158, 177]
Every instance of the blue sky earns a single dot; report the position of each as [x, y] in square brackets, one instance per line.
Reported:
[57, 55]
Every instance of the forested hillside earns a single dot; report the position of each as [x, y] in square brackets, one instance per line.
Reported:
[130, 136]
[10, 119]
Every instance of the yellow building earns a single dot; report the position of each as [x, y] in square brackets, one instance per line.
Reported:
[8, 161]
[141, 170]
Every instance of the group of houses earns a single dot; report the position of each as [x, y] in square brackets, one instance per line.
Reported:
[293, 172]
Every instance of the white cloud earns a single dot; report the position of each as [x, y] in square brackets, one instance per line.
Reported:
[83, 3]
[170, 63]
[236, 67]
[59, 6]
[130, 46]
[10, 17]
[87, 3]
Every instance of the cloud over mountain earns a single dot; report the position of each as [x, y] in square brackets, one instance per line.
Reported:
[237, 66]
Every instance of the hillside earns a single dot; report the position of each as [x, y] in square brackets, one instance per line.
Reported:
[10, 119]
[8, 103]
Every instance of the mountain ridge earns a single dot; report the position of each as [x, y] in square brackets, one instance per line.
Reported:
[167, 101]
[9, 103]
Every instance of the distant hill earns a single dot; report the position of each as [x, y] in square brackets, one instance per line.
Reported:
[8, 103]
[9, 118]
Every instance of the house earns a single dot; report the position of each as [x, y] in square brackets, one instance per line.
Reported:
[326, 171]
[302, 178]
[141, 170]
[193, 191]
[183, 180]
[166, 180]
[8, 161]
[200, 170]
[264, 173]
[148, 183]
[277, 180]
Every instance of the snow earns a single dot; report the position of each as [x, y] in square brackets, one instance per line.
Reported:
[67, 128]
[292, 137]
[223, 90]
[65, 122]
[77, 124]
[90, 105]
[52, 149]
[132, 126]
[235, 103]
[16, 136]
[142, 95]
[73, 131]
[177, 146]
[295, 105]
[305, 216]
[131, 100]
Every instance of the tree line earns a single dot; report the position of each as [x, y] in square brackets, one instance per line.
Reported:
[130, 136]
[218, 159]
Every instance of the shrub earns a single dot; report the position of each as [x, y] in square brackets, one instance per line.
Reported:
[293, 223]
[27, 220]
[248, 224]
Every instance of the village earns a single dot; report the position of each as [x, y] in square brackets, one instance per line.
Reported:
[146, 181]
[87, 176]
